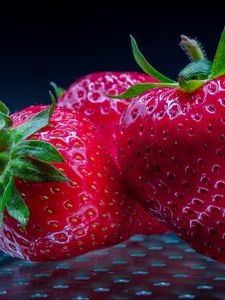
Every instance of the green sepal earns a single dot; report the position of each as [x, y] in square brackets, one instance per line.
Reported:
[38, 149]
[34, 170]
[218, 67]
[145, 66]
[1, 218]
[190, 86]
[17, 208]
[28, 160]
[57, 89]
[5, 140]
[14, 204]
[5, 121]
[196, 69]
[3, 161]
[140, 88]
[53, 105]
[34, 124]
[6, 194]
[4, 109]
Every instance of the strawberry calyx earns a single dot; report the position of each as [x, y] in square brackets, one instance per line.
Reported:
[192, 77]
[27, 160]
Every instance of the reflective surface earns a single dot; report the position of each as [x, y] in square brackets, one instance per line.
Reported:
[155, 267]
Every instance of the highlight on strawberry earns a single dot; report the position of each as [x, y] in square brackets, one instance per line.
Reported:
[171, 147]
[89, 96]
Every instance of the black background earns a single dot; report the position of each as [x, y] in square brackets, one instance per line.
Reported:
[61, 41]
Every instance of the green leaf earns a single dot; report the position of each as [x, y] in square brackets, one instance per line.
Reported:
[6, 194]
[35, 123]
[4, 109]
[1, 218]
[17, 208]
[57, 89]
[5, 140]
[32, 125]
[218, 67]
[34, 170]
[138, 89]
[145, 66]
[7, 122]
[3, 161]
[52, 107]
[38, 149]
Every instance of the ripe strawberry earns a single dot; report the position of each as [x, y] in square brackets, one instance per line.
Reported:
[89, 96]
[172, 148]
[67, 218]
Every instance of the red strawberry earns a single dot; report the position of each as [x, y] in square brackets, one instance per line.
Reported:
[172, 148]
[91, 211]
[88, 95]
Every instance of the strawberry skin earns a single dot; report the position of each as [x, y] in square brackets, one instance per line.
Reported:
[70, 218]
[89, 96]
[171, 149]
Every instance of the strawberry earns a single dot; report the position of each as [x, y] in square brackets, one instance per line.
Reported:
[61, 193]
[171, 145]
[89, 96]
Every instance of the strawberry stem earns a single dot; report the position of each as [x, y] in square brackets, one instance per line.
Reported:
[192, 48]
[199, 69]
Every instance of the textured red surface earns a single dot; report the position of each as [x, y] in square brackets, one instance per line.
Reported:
[89, 96]
[69, 219]
[171, 150]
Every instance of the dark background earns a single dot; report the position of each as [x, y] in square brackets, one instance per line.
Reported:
[61, 41]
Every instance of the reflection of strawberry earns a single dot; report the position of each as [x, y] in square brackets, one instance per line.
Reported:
[172, 148]
[88, 95]
[90, 211]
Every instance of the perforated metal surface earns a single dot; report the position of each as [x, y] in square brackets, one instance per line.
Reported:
[155, 267]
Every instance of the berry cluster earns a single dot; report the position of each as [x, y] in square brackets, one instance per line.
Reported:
[116, 154]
